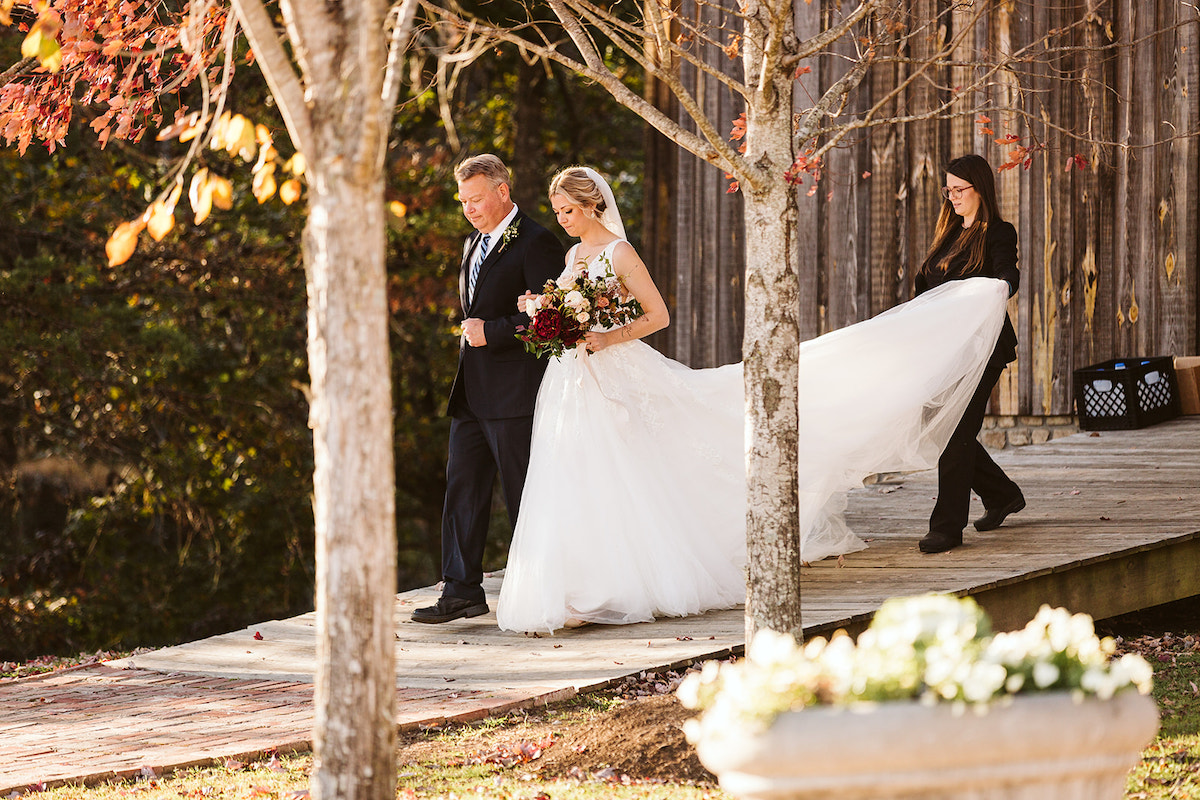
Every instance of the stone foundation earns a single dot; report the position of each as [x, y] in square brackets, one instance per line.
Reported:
[1010, 430]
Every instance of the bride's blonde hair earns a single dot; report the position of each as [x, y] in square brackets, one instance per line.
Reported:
[574, 184]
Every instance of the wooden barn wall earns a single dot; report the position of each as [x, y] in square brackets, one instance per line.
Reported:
[707, 303]
[1108, 253]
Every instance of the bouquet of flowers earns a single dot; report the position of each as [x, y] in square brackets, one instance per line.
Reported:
[571, 306]
[933, 648]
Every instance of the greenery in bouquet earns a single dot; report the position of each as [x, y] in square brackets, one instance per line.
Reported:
[931, 648]
[571, 306]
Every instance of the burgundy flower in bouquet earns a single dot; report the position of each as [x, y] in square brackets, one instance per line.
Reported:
[571, 306]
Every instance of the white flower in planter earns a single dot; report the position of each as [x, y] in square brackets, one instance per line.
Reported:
[932, 648]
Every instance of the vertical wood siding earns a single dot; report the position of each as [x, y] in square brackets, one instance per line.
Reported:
[1108, 252]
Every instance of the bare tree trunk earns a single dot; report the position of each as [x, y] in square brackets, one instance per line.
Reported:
[771, 340]
[342, 52]
[771, 345]
[354, 497]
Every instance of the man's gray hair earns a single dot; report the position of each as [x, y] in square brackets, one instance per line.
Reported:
[487, 165]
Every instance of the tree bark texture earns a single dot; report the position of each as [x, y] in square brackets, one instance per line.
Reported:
[771, 337]
[341, 49]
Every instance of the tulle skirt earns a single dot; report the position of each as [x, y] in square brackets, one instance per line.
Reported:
[635, 501]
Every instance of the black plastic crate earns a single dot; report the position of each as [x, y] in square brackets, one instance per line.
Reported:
[1126, 393]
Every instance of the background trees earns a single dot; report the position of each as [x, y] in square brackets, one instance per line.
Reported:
[182, 508]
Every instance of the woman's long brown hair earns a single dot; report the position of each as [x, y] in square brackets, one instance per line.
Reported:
[976, 171]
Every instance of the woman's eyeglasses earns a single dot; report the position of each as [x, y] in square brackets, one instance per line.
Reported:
[955, 193]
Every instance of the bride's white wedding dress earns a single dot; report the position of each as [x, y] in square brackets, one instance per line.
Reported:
[635, 501]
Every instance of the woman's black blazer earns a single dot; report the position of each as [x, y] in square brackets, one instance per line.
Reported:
[1000, 261]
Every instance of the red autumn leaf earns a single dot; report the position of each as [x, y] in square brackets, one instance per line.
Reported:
[258, 636]
[739, 127]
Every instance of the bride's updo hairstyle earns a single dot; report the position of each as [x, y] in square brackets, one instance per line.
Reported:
[574, 184]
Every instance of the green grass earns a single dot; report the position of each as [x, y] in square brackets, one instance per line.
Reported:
[1170, 767]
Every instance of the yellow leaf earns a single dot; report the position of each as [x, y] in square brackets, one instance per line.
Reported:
[173, 197]
[222, 192]
[185, 128]
[264, 183]
[398, 209]
[263, 135]
[233, 131]
[123, 242]
[296, 164]
[162, 219]
[200, 196]
[239, 137]
[289, 191]
[197, 186]
[41, 42]
[220, 128]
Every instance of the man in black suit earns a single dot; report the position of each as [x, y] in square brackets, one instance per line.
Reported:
[491, 402]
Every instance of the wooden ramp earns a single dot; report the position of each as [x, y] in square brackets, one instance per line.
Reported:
[1112, 525]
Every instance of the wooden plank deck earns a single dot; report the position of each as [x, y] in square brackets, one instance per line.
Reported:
[1112, 525]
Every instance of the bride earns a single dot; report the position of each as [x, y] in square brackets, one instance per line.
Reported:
[635, 500]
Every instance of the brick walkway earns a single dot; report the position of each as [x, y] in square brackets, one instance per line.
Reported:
[246, 693]
[99, 723]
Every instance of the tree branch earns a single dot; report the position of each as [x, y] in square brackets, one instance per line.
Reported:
[711, 146]
[22, 67]
[277, 69]
[401, 18]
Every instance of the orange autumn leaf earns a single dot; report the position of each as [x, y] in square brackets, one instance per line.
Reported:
[263, 186]
[123, 242]
[222, 192]
[161, 220]
[289, 191]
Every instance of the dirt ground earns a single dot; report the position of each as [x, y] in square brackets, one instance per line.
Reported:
[641, 737]
[635, 730]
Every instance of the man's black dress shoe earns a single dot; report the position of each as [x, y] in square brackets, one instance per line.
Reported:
[992, 517]
[936, 542]
[448, 608]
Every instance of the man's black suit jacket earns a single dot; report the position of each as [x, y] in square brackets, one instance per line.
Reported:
[500, 380]
[1000, 261]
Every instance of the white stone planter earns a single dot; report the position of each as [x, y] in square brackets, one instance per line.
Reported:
[1041, 747]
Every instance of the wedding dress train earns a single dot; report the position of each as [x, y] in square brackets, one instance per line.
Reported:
[635, 501]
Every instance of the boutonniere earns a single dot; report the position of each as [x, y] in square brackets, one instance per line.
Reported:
[508, 235]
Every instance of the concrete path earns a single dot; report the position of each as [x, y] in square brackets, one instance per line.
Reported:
[239, 696]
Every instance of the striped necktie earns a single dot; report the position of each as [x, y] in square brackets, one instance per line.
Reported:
[480, 255]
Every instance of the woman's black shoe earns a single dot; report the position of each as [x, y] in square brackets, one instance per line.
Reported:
[935, 542]
[992, 517]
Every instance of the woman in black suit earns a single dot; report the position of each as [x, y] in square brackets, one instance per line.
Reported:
[972, 240]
